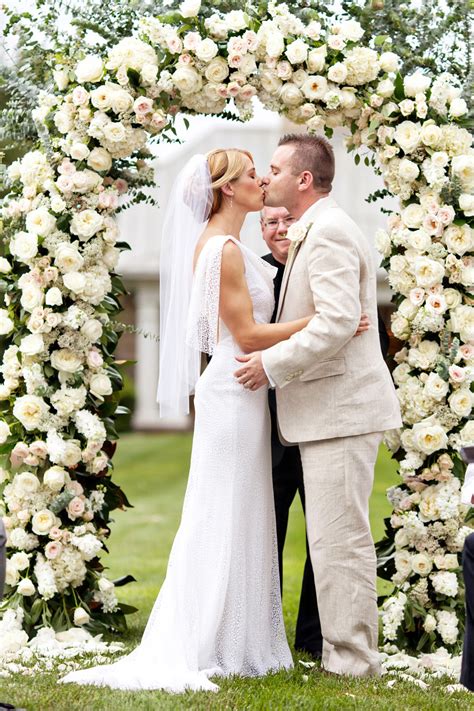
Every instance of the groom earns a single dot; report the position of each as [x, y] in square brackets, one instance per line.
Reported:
[334, 394]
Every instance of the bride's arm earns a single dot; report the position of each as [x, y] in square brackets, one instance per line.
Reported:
[236, 309]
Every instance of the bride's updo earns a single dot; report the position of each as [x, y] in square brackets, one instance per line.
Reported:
[225, 165]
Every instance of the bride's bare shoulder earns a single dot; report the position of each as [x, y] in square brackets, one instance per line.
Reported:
[229, 249]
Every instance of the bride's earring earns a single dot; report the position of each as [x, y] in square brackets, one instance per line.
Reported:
[231, 202]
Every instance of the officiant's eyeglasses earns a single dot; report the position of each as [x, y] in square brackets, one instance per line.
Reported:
[273, 224]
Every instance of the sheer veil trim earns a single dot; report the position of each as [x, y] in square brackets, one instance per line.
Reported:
[185, 219]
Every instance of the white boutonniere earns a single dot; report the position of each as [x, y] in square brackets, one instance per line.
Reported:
[298, 232]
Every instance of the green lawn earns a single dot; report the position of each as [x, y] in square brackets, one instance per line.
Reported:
[152, 469]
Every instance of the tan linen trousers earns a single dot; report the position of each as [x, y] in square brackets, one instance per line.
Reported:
[338, 479]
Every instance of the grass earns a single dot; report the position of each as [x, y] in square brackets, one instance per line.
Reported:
[153, 469]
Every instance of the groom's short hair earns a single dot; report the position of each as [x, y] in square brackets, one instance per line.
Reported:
[314, 154]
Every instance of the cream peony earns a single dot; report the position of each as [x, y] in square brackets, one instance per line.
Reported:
[459, 239]
[31, 411]
[42, 522]
[428, 272]
[86, 223]
[66, 360]
[68, 258]
[187, 80]
[429, 437]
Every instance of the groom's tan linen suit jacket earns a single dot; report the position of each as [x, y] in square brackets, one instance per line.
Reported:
[328, 383]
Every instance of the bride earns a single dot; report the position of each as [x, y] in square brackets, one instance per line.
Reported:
[218, 612]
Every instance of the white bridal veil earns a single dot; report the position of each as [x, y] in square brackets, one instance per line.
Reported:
[187, 211]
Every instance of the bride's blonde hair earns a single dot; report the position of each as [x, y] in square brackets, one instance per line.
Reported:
[225, 165]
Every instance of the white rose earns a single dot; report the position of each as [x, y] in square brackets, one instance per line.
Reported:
[187, 80]
[115, 132]
[337, 73]
[419, 240]
[68, 259]
[71, 454]
[86, 223]
[190, 8]
[32, 345]
[236, 20]
[317, 59]
[275, 44]
[315, 87]
[463, 167]
[100, 385]
[20, 560]
[40, 222]
[5, 266]
[407, 135]
[459, 239]
[429, 437]
[89, 69]
[416, 84]
[466, 204]
[85, 181]
[42, 522]
[467, 433]
[206, 50]
[431, 135]
[26, 587]
[217, 70]
[24, 246]
[106, 586]
[407, 309]
[461, 402]
[6, 323]
[383, 243]
[351, 30]
[53, 297]
[385, 88]
[462, 321]
[75, 282]
[421, 564]
[408, 170]
[429, 625]
[92, 329]
[79, 151]
[4, 432]
[54, 478]
[99, 159]
[291, 95]
[453, 298]
[413, 215]
[389, 62]
[11, 575]
[297, 51]
[66, 360]
[30, 410]
[81, 617]
[428, 272]
[26, 484]
[458, 107]
[436, 387]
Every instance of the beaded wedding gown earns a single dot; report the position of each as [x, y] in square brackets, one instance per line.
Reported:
[218, 612]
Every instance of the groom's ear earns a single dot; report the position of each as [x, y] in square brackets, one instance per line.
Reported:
[305, 181]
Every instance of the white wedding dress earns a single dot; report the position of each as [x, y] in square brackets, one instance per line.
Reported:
[218, 612]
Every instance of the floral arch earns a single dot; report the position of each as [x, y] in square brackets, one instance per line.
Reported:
[60, 291]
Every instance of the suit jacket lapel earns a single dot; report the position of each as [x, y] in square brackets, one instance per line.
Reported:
[308, 217]
[294, 249]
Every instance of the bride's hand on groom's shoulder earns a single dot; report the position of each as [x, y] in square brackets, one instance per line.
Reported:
[252, 375]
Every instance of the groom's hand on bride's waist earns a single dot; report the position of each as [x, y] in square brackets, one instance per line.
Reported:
[252, 374]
